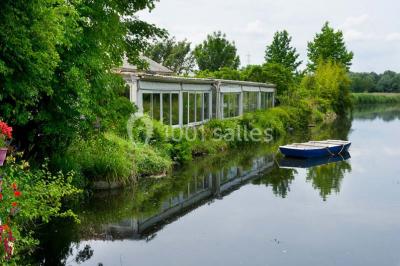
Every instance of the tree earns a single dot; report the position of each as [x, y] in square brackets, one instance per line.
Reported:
[280, 52]
[175, 55]
[362, 82]
[389, 82]
[330, 84]
[216, 52]
[56, 61]
[328, 45]
[223, 73]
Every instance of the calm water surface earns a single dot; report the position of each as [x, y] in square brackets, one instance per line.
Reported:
[242, 209]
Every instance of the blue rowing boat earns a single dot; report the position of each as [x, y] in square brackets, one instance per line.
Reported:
[314, 149]
[291, 162]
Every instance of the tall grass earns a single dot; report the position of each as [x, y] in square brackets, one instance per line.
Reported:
[108, 157]
[375, 98]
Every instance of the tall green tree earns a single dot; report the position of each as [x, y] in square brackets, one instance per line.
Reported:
[330, 84]
[56, 62]
[216, 52]
[328, 45]
[389, 81]
[281, 52]
[173, 54]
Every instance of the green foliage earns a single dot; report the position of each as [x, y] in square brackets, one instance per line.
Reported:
[104, 157]
[149, 162]
[279, 75]
[216, 52]
[56, 59]
[281, 52]
[328, 45]
[389, 81]
[176, 55]
[42, 194]
[223, 73]
[330, 87]
[363, 82]
[375, 98]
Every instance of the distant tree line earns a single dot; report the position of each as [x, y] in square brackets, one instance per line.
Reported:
[388, 81]
[324, 83]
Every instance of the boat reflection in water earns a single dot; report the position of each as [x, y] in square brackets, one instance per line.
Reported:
[288, 162]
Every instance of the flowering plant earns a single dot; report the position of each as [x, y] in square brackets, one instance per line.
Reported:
[5, 133]
[9, 208]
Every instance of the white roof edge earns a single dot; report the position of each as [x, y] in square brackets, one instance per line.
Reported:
[157, 77]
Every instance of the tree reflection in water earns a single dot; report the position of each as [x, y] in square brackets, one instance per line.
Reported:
[328, 178]
[279, 179]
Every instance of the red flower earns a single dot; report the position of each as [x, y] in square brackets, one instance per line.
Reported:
[17, 193]
[14, 204]
[14, 186]
[5, 130]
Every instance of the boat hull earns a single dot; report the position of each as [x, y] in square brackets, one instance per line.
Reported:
[316, 152]
[290, 162]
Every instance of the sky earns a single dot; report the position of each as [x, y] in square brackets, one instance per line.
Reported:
[371, 28]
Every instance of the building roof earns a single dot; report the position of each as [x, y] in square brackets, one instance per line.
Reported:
[154, 67]
[162, 78]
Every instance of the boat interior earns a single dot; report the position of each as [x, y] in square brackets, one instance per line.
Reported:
[317, 144]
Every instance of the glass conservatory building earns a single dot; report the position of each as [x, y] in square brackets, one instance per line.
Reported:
[179, 101]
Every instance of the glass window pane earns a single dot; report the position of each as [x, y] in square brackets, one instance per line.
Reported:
[166, 108]
[192, 107]
[185, 107]
[250, 100]
[264, 102]
[156, 106]
[199, 107]
[206, 106]
[234, 110]
[255, 101]
[231, 104]
[225, 104]
[147, 103]
[214, 104]
[175, 108]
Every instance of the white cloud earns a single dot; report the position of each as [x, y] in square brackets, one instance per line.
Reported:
[394, 36]
[255, 27]
[355, 35]
[351, 22]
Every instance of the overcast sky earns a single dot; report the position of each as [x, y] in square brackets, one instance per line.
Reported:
[371, 28]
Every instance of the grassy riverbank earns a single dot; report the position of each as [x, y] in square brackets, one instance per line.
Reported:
[375, 98]
[114, 158]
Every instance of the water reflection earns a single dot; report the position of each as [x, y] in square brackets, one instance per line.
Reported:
[327, 178]
[370, 112]
[141, 212]
[278, 179]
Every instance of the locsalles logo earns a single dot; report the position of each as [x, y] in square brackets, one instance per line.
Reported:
[140, 128]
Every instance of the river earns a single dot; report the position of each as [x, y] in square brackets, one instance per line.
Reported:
[244, 208]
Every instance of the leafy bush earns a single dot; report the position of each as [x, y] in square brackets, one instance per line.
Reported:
[150, 162]
[329, 85]
[104, 157]
[39, 199]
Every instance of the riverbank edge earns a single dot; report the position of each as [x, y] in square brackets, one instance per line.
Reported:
[162, 146]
